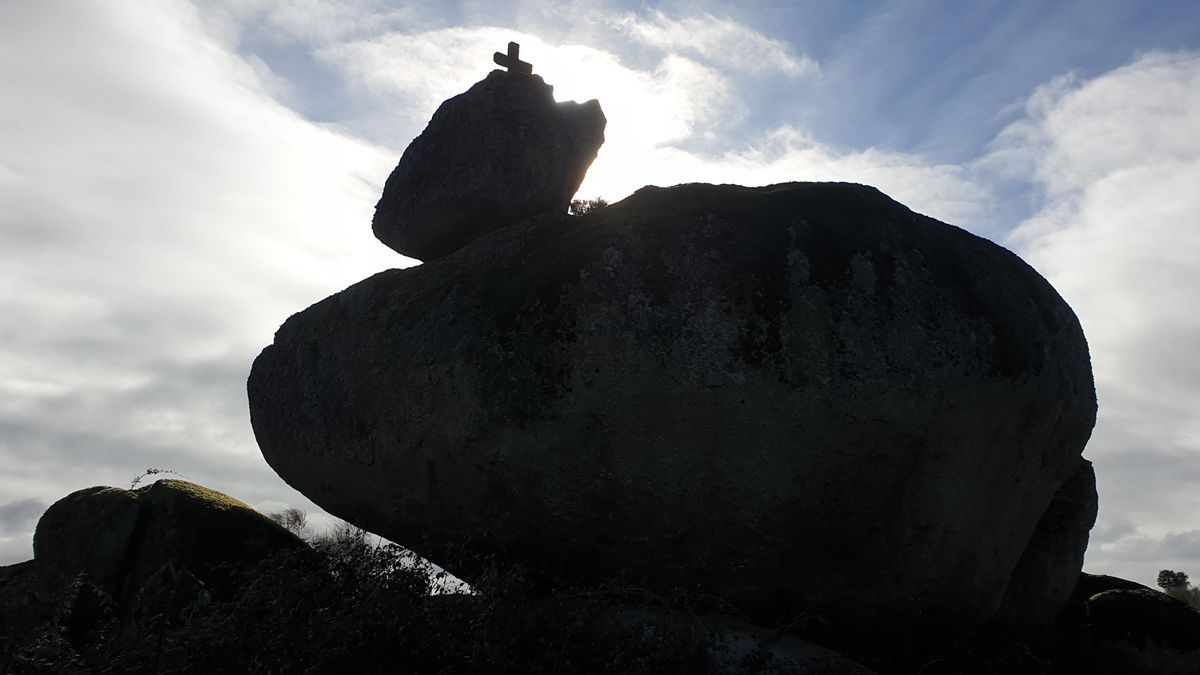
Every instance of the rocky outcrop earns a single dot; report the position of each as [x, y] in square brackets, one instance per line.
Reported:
[121, 538]
[1049, 570]
[1074, 615]
[1141, 615]
[500, 153]
[797, 396]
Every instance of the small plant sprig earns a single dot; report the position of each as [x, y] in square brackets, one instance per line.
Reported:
[137, 480]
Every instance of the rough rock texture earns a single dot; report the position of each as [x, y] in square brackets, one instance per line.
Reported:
[500, 153]
[121, 538]
[1142, 614]
[802, 396]
[1049, 570]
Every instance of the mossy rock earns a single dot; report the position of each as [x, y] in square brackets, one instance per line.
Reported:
[1141, 616]
[120, 538]
[1074, 616]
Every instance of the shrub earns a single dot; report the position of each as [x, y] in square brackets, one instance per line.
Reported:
[293, 520]
[582, 207]
[351, 604]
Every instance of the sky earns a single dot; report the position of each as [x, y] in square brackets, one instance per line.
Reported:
[177, 178]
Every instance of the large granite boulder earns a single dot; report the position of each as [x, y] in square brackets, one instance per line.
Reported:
[121, 538]
[801, 397]
[500, 153]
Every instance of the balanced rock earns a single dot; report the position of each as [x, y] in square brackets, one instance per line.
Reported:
[121, 538]
[801, 397]
[500, 153]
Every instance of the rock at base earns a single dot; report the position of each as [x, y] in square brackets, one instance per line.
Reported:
[1141, 615]
[121, 538]
[500, 153]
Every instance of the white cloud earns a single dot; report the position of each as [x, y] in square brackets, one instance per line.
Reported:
[411, 74]
[947, 192]
[309, 21]
[161, 216]
[1118, 161]
[721, 42]
[18, 516]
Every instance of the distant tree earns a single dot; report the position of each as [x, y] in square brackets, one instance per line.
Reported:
[580, 207]
[1175, 584]
[1170, 580]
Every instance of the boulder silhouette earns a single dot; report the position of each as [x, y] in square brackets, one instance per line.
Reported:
[800, 397]
[1141, 615]
[500, 153]
[121, 538]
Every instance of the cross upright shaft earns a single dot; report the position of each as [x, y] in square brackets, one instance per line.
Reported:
[512, 60]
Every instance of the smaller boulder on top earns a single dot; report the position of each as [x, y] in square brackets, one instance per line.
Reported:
[497, 154]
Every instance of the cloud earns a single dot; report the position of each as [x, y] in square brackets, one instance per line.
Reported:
[162, 216]
[1180, 546]
[17, 520]
[15, 549]
[947, 192]
[1112, 531]
[1139, 555]
[720, 42]
[18, 517]
[1117, 161]
[309, 21]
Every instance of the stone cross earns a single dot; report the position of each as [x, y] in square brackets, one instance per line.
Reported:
[511, 60]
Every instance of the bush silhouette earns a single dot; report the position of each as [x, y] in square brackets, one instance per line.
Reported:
[350, 604]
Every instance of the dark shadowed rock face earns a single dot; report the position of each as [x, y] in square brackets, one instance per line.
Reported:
[1049, 571]
[500, 153]
[803, 397]
[121, 538]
